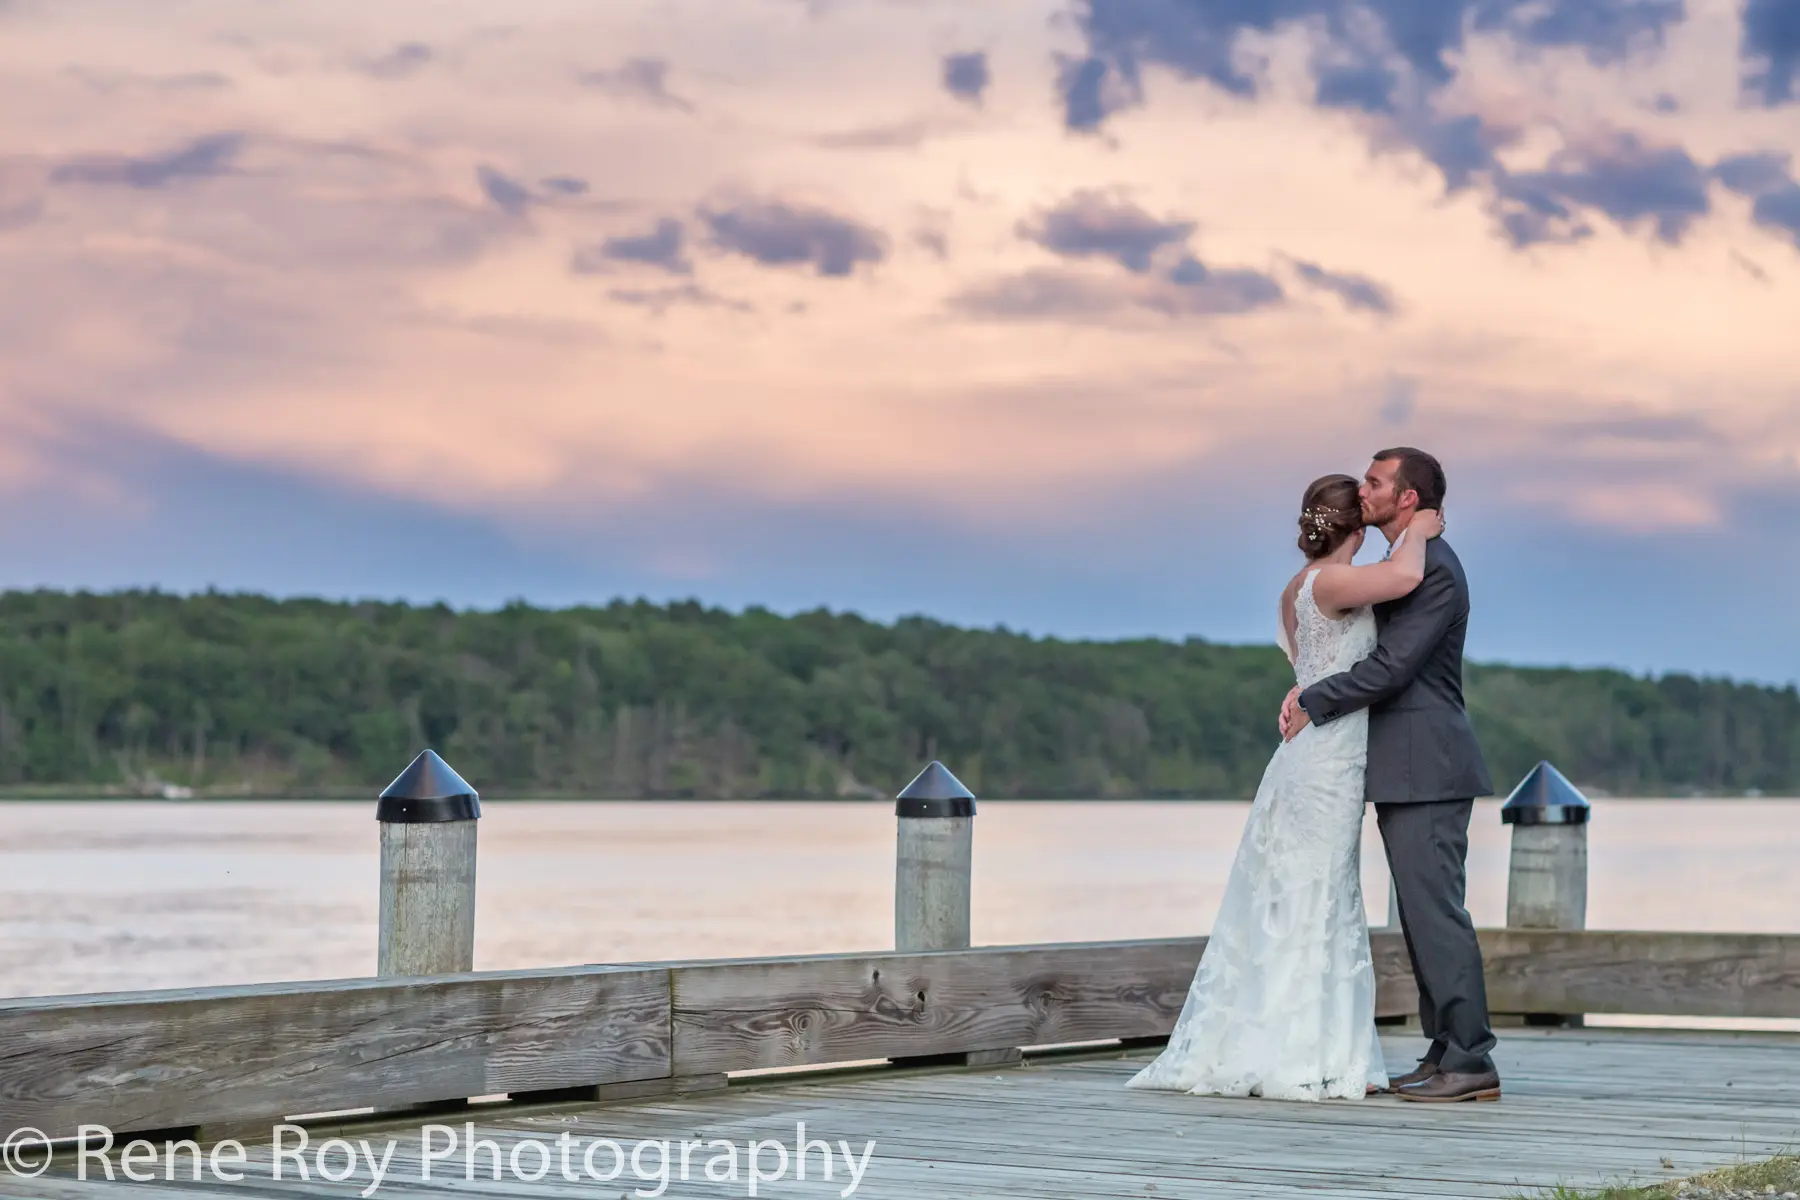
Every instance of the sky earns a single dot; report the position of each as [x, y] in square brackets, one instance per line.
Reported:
[1030, 313]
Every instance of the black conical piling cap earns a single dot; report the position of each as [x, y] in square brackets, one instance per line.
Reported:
[1544, 797]
[428, 790]
[935, 792]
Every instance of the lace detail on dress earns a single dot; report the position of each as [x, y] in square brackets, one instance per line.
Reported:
[1327, 645]
[1283, 1003]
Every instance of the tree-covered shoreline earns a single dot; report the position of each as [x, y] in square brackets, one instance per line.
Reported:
[140, 692]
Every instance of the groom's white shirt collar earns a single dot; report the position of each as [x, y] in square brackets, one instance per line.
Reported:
[1392, 544]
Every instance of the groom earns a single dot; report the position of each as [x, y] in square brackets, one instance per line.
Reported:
[1424, 771]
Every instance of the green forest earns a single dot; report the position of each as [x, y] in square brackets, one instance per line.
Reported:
[140, 692]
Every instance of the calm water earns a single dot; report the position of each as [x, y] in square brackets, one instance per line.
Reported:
[114, 896]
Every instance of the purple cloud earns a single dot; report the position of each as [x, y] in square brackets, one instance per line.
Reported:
[1358, 291]
[508, 194]
[1768, 181]
[1392, 59]
[202, 158]
[1771, 41]
[1095, 224]
[1628, 181]
[966, 76]
[661, 247]
[777, 234]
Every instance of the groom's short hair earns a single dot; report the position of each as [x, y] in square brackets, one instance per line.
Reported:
[1418, 472]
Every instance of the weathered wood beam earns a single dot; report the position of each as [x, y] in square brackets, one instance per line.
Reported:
[169, 1059]
[181, 1058]
[790, 1012]
[1648, 973]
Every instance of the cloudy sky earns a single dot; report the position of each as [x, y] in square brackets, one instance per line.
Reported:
[1027, 312]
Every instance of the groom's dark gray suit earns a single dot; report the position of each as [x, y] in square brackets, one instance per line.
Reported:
[1424, 772]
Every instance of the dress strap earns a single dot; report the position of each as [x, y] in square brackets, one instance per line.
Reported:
[1306, 586]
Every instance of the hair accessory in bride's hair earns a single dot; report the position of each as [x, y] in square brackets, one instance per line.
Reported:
[1318, 518]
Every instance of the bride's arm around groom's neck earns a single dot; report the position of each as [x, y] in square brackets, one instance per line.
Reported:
[1412, 631]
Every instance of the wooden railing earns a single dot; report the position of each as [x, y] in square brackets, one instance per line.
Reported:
[185, 1058]
[419, 1035]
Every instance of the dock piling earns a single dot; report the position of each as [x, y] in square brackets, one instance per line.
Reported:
[933, 867]
[428, 819]
[935, 815]
[1546, 881]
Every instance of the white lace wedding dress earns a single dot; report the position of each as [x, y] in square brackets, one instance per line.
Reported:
[1283, 1003]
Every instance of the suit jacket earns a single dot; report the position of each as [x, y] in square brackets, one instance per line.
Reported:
[1421, 745]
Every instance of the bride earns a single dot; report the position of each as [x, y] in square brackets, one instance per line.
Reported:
[1283, 1003]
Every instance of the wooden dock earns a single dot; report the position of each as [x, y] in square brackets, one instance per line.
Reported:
[935, 1069]
[994, 1071]
[1582, 1107]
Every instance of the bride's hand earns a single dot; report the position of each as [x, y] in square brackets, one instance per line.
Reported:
[1429, 522]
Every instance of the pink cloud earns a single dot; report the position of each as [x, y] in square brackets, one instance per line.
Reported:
[355, 263]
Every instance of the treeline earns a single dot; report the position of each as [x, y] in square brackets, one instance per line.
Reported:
[238, 694]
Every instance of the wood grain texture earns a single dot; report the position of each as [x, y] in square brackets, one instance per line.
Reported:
[933, 859]
[427, 899]
[1547, 876]
[753, 1014]
[1581, 1108]
[156, 1060]
[177, 1058]
[1648, 973]
[740, 1016]
[1396, 993]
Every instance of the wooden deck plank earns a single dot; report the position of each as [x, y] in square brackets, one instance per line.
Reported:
[1164, 1148]
[1582, 1107]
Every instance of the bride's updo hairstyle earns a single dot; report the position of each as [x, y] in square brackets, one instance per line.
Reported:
[1330, 515]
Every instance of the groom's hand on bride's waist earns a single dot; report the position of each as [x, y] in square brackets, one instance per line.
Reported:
[1293, 717]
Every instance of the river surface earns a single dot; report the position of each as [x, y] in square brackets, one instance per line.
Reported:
[112, 896]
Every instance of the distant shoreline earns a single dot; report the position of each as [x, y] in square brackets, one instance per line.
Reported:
[144, 694]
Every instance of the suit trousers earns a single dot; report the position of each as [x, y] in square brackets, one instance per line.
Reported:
[1427, 851]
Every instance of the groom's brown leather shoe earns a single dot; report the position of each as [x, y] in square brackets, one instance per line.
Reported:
[1418, 1074]
[1447, 1087]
